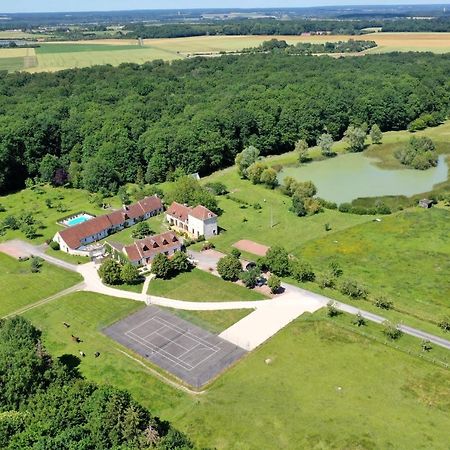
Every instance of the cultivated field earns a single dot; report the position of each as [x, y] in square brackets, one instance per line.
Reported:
[13, 59]
[63, 55]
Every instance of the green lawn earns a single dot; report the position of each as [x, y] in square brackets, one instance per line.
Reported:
[406, 257]
[20, 287]
[33, 200]
[73, 259]
[199, 286]
[88, 314]
[248, 223]
[213, 321]
[294, 402]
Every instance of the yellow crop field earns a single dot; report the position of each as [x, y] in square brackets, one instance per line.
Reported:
[66, 55]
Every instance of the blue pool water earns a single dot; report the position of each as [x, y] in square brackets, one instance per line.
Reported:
[77, 220]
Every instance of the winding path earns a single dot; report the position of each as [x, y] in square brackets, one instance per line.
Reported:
[268, 317]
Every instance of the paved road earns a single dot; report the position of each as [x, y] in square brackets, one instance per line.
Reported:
[269, 316]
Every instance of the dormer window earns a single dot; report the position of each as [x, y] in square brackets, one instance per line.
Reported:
[165, 242]
[155, 245]
[174, 239]
[145, 248]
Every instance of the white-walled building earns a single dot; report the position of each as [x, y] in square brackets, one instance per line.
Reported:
[142, 251]
[74, 239]
[196, 222]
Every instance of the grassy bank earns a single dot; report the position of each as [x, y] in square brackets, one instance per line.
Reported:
[20, 287]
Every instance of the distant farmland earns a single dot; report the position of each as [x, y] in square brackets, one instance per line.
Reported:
[64, 55]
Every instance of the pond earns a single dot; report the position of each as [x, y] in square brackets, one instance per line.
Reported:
[347, 177]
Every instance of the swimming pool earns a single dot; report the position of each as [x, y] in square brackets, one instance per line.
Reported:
[76, 220]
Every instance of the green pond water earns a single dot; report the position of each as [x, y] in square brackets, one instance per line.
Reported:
[347, 177]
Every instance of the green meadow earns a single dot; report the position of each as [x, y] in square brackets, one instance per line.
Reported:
[199, 286]
[325, 386]
[20, 287]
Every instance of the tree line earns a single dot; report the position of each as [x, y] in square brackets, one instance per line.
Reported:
[101, 127]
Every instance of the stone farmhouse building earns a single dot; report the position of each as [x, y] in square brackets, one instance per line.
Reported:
[76, 239]
[142, 252]
[196, 222]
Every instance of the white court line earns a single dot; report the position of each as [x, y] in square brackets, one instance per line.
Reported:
[183, 332]
[175, 359]
[143, 323]
[161, 352]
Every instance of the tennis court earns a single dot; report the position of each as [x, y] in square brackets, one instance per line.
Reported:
[192, 354]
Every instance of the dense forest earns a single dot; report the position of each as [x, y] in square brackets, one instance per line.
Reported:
[46, 404]
[287, 27]
[246, 27]
[101, 127]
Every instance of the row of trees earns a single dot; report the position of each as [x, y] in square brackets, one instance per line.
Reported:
[141, 123]
[309, 48]
[45, 403]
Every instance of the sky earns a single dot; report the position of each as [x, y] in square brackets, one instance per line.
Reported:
[11, 6]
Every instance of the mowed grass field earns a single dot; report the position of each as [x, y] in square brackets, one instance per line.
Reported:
[20, 287]
[199, 286]
[322, 381]
[58, 56]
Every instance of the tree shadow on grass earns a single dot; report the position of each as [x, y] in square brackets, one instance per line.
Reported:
[71, 362]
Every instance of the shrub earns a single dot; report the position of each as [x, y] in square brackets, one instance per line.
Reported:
[302, 271]
[180, 262]
[359, 320]
[326, 280]
[129, 274]
[141, 230]
[208, 246]
[332, 310]
[229, 268]
[250, 278]
[426, 346]
[345, 207]
[383, 303]
[54, 245]
[29, 231]
[277, 261]
[110, 272]
[257, 206]
[236, 253]
[335, 269]
[353, 289]
[11, 222]
[36, 264]
[444, 324]
[161, 266]
[274, 284]
[216, 187]
[391, 331]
